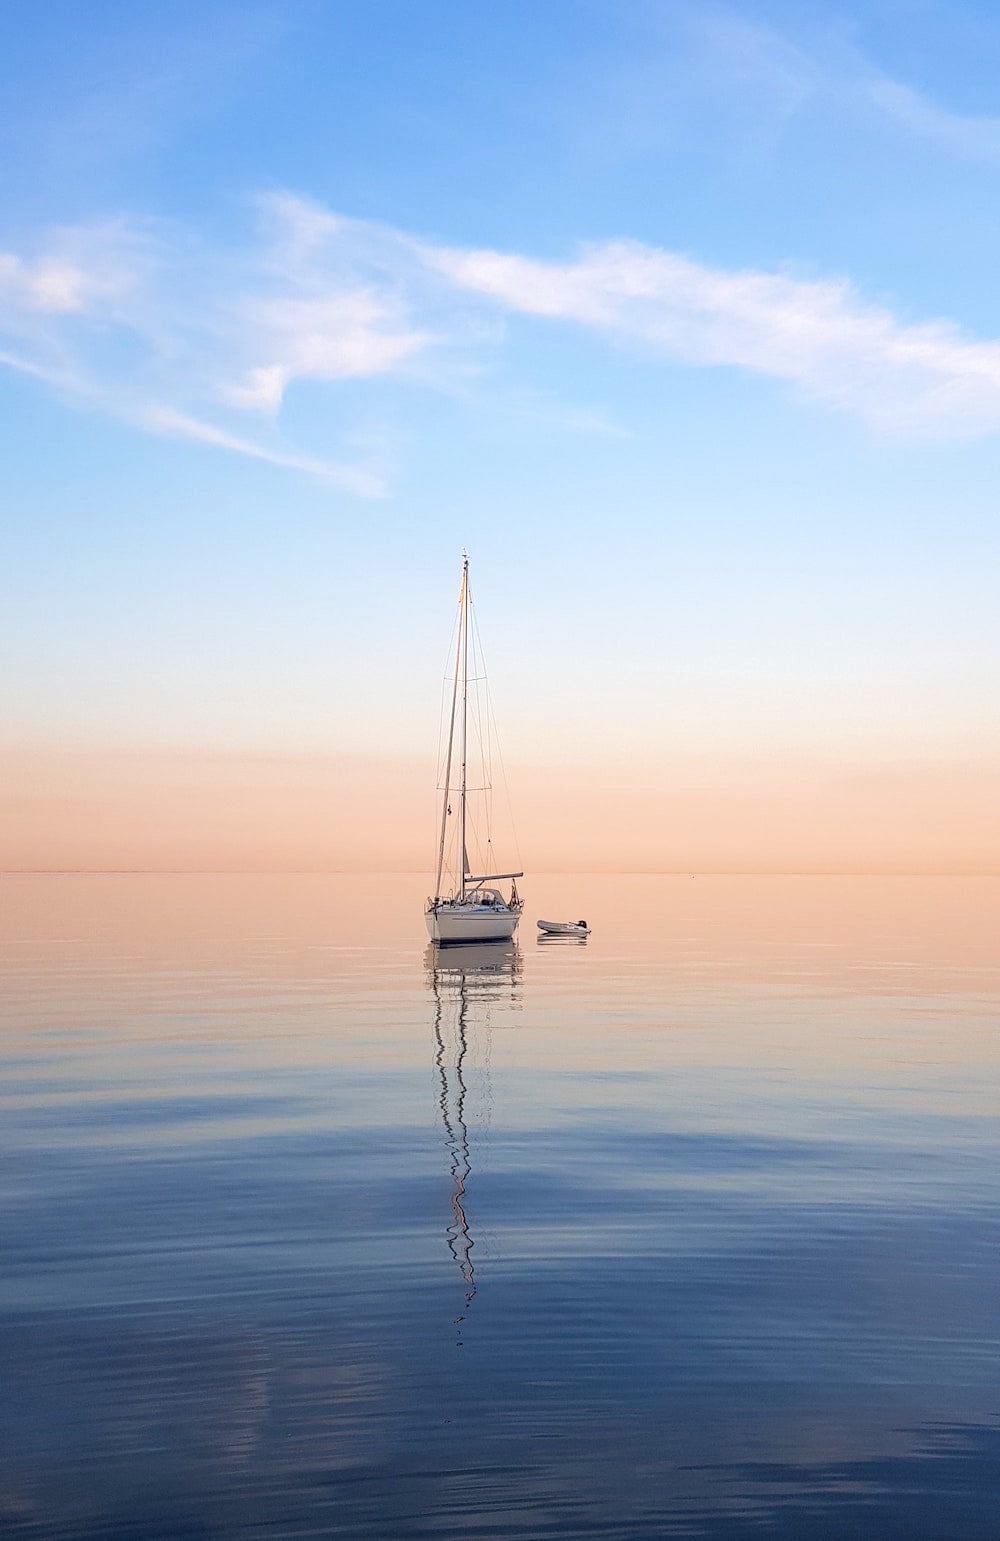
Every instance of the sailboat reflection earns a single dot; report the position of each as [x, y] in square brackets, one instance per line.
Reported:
[465, 983]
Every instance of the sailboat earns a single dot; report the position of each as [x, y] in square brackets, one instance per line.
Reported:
[474, 910]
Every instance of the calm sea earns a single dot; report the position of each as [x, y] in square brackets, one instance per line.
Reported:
[689, 1230]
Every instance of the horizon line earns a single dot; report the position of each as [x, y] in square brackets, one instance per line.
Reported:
[887, 872]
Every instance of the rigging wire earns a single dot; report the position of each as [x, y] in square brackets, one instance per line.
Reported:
[443, 712]
[494, 737]
[482, 741]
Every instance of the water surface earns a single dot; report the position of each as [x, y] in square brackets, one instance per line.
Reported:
[690, 1230]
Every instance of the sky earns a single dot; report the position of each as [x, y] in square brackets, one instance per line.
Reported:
[680, 317]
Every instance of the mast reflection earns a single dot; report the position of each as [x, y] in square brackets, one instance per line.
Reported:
[466, 981]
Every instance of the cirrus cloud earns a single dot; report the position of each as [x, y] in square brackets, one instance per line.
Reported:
[177, 335]
[821, 335]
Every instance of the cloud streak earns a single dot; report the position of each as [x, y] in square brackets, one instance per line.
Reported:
[765, 78]
[81, 270]
[970, 136]
[145, 322]
[152, 325]
[821, 335]
[178, 425]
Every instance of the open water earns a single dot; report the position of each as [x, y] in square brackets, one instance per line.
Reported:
[691, 1230]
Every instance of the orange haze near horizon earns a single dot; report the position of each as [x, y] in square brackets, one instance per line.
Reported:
[76, 810]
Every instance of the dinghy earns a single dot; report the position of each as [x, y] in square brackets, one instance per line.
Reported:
[564, 927]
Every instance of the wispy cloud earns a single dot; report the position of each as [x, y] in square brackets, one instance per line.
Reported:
[146, 322]
[336, 298]
[82, 269]
[38, 371]
[821, 335]
[175, 337]
[760, 77]
[971, 136]
[338, 337]
[178, 425]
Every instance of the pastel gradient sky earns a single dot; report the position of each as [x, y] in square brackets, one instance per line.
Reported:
[682, 317]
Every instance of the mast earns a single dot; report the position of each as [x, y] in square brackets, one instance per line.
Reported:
[465, 712]
[451, 740]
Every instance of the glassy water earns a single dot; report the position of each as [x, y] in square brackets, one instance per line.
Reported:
[690, 1230]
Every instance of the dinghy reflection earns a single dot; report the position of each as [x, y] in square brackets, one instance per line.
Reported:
[466, 985]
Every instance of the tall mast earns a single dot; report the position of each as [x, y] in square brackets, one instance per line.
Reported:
[445, 810]
[465, 710]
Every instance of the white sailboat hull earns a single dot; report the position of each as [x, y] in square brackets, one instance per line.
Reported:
[448, 924]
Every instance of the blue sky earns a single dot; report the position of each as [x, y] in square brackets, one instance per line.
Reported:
[681, 317]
